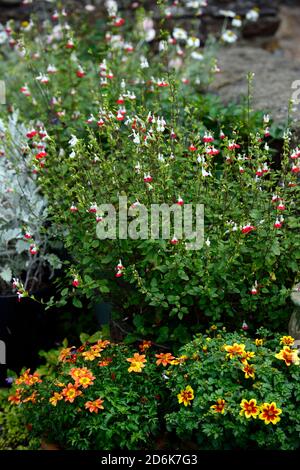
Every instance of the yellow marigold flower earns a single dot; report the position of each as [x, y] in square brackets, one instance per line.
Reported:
[213, 327]
[77, 372]
[59, 384]
[249, 408]
[249, 371]
[287, 340]
[259, 342]
[85, 381]
[234, 350]
[94, 406]
[186, 395]
[55, 398]
[71, 392]
[288, 355]
[179, 360]
[248, 355]
[91, 354]
[164, 359]
[270, 413]
[219, 407]
[137, 362]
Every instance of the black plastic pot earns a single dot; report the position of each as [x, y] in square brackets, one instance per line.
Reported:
[25, 329]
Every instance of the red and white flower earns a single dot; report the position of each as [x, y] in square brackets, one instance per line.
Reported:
[93, 208]
[254, 289]
[73, 208]
[212, 151]
[208, 137]
[51, 69]
[192, 148]
[119, 22]
[120, 115]
[233, 145]
[25, 90]
[80, 72]
[75, 282]
[277, 224]
[174, 241]
[43, 78]
[180, 201]
[147, 178]
[70, 44]
[247, 228]
[295, 169]
[31, 134]
[33, 249]
[120, 269]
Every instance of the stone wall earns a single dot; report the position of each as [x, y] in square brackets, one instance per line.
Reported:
[210, 22]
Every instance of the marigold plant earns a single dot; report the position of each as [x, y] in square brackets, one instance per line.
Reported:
[99, 403]
[232, 407]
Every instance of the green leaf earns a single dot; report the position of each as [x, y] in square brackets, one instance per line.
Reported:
[83, 337]
[6, 274]
[77, 303]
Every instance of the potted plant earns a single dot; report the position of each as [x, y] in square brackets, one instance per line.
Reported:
[26, 261]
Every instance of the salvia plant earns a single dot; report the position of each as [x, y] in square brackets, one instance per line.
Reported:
[123, 120]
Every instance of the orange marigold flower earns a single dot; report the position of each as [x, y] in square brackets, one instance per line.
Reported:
[259, 342]
[17, 398]
[105, 362]
[234, 350]
[103, 343]
[137, 362]
[70, 392]
[28, 379]
[20, 380]
[288, 355]
[287, 340]
[186, 395]
[164, 359]
[91, 354]
[219, 407]
[94, 406]
[249, 371]
[78, 372]
[249, 408]
[65, 354]
[31, 398]
[145, 345]
[270, 413]
[55, 398]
